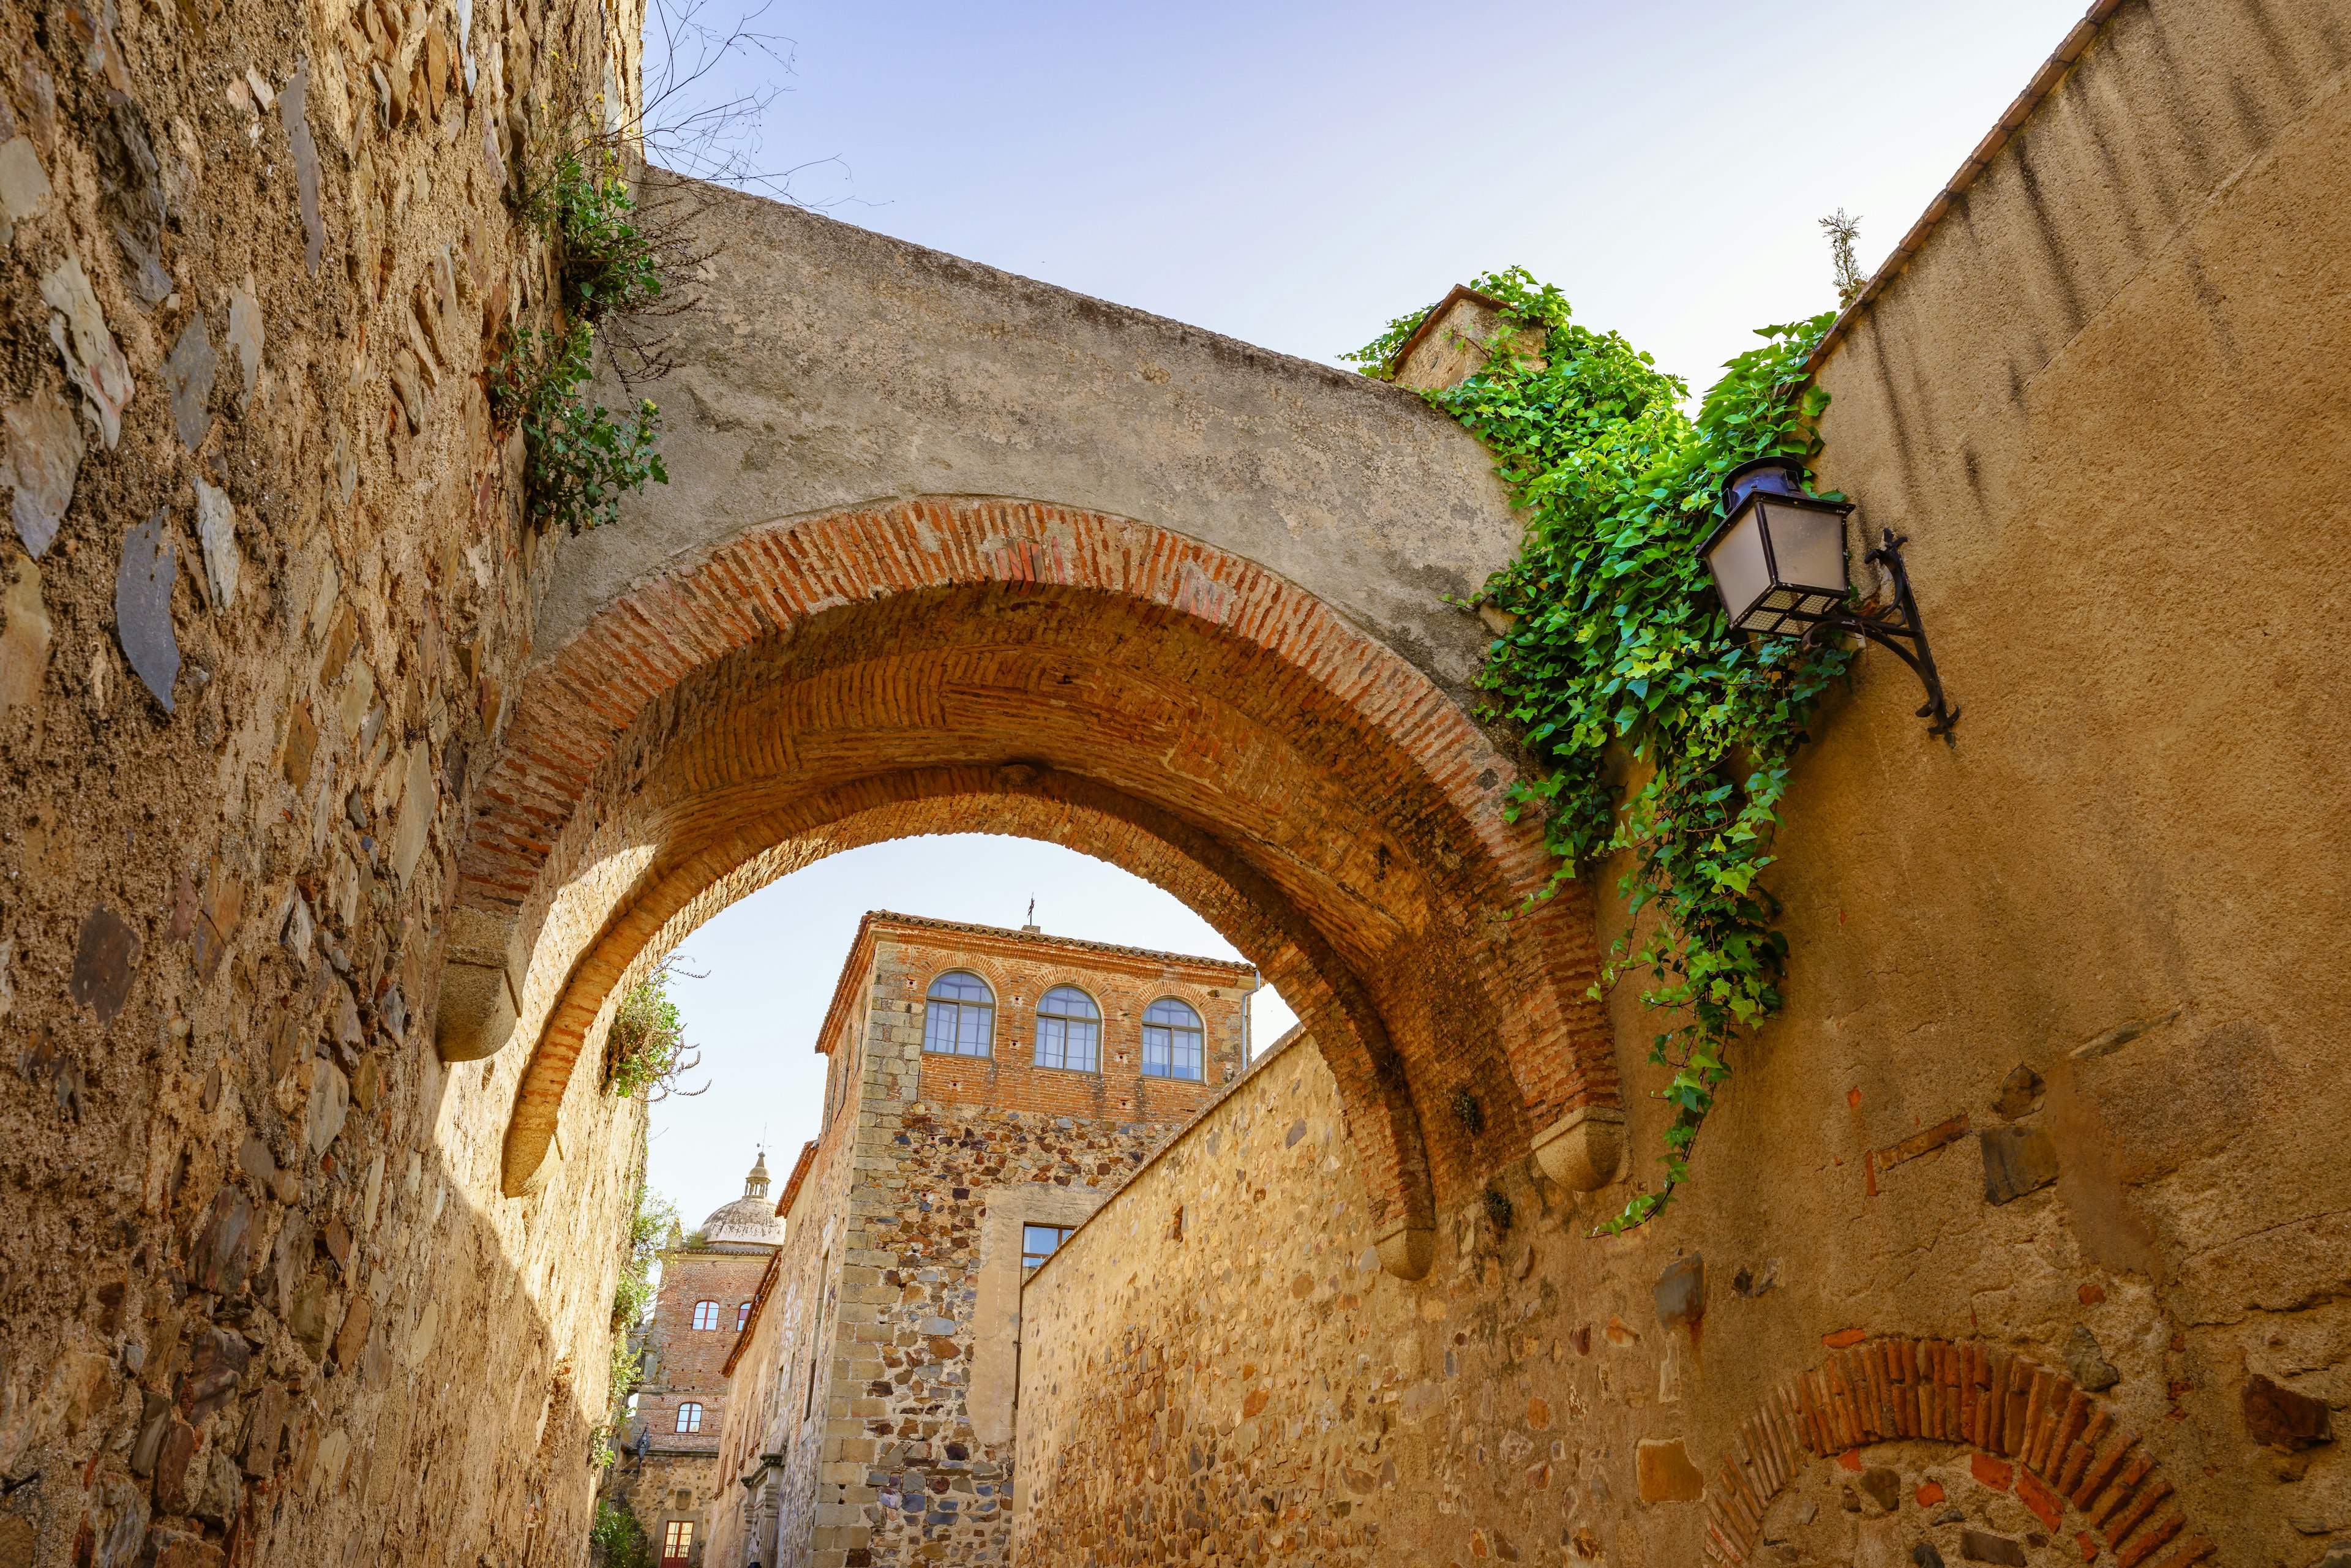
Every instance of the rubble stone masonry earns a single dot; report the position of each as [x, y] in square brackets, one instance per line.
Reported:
[339, 807]
[872, 1410]
[266, 590]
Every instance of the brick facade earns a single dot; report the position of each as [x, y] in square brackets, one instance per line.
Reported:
[683, 1363]
[707, 1287]
[870, 1416]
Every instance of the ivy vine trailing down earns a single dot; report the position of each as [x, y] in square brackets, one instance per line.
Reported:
[578, 459]
[1618, 663]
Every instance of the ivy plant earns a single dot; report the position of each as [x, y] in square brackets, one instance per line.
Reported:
[616, 1540]
[1655, 733]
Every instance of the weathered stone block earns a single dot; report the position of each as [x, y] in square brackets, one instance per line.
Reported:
[2284, 1418]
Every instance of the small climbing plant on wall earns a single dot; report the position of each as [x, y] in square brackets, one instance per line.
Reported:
[1657, 735]
[578, 458]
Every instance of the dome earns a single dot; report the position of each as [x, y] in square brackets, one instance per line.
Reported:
[749, 1221]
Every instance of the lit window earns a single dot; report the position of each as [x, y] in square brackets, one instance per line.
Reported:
[742, 1316]
[960, 1020]
[689, 1417]
[1038, 1242]
[1171, 1040]
[706, 1315]
[1069, 1030]
[678, 1541]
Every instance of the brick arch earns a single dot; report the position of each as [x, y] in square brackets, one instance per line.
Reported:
[2065, 1451]
[705, 723]
[755, 847]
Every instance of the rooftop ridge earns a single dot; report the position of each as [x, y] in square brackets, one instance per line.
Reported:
[927, 922]
[2046, 81]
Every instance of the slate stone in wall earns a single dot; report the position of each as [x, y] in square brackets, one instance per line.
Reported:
[142, 606]
[2017, 1160]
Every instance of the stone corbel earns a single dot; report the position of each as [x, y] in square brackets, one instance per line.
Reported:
[481, 987]
[1582, 1150]
[1406, 1249]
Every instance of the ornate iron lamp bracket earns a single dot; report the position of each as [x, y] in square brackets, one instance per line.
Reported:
[1901, 631]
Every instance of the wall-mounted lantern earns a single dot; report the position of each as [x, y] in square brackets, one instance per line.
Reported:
[1778, 563]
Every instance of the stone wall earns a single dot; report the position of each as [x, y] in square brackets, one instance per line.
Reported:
[898, 1289]
[663, 1489]
[1214, 1369]
[266, 587]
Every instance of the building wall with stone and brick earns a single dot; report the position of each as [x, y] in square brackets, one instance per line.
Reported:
[668, 1473]
[880, 1370]
[342, 804]
[267, 588]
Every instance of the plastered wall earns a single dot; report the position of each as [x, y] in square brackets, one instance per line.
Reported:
[2056, 1084]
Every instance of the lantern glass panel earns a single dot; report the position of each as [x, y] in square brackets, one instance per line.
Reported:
[1736, 561]
[1808, 549]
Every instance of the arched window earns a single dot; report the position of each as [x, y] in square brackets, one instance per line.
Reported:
[960, 1020]
[742, 1316]
[1069, 1030]
[689, 1417]
[705, 1316]
[1171, 1040]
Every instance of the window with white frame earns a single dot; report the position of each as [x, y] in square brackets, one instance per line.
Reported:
[1171, 1040]
[1039, 1242]
[959, 1016]
[1069, 1030]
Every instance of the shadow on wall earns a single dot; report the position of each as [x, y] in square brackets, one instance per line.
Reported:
[358, 1346]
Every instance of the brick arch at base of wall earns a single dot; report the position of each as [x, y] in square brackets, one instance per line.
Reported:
[2063, 1451]
[1312, 773]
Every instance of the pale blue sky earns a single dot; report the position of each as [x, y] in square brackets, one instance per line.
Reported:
[1295, 175]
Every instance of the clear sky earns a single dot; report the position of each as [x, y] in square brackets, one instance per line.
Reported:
[1295, 172]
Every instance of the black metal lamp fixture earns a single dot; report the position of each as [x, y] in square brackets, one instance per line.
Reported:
[1778, 563]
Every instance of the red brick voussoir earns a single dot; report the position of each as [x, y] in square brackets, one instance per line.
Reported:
[2059, 1448]
[1137, 694]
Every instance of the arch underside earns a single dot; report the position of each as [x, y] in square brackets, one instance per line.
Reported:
[1001, 667]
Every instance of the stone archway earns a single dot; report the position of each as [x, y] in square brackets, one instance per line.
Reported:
[942, 664]
[2071, 1462]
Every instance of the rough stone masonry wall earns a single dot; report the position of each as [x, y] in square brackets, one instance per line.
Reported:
[265, 587]
[1215, 1370]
